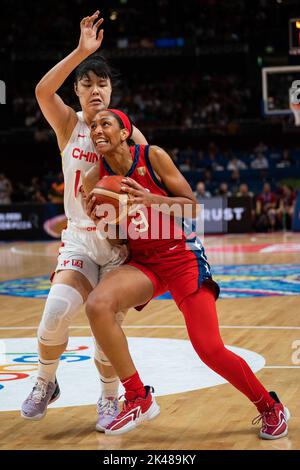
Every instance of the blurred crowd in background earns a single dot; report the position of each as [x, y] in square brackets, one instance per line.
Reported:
[130, 26]
[190, 80]
[212, 174]
[211, 102]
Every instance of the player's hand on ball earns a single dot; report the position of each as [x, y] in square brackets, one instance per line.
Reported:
[139, 194]
[90, 39]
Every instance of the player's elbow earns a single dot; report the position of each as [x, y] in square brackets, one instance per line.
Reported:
[38, 89]
[41, 91]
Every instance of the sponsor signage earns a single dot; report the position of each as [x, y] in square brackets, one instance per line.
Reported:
[46, 221]
[31, 222]
[227, 215]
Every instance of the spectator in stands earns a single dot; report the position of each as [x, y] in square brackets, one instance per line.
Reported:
[244, 191]
[286, 160]
[213, 158]
[201, 192]
[189, 153]
[214, 164]
[236, 164]
[266, 205]
[37, 191]
[56, 194]
[286, 207]
[186, 165]
[38, 198]
[200, 160]
[5, 189]
[261, 148]
[260, 162]
[210, 184]
[235, 181]
[223, 190]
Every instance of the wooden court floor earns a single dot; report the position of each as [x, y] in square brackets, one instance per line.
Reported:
[217, 417]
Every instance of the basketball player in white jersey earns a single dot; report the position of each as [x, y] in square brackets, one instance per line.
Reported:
[82, 256]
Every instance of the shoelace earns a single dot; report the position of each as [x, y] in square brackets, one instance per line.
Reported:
[126, 404]
[106, 406]
[39, 391]
[262, 417]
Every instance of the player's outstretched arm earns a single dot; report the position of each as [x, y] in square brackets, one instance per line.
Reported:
[61, 117]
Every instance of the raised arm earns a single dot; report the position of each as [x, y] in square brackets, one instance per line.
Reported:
[62, 118]
[138, 137]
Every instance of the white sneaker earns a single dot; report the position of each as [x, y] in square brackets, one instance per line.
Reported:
[107, 409]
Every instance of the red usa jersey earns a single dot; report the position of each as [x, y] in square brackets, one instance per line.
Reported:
[147, 228]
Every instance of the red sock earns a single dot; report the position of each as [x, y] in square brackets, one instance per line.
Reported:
[202, 324]
[134, 387]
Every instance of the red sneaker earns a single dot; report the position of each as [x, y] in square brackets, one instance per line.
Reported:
[134, 413]
[274, 421]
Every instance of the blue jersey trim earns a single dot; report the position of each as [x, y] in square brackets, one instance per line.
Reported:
[151, 171]
[135, 160]
[201, 259]
[107, 167]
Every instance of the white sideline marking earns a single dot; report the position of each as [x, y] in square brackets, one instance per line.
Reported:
[281, 367]
[18, 251]
[240, 327]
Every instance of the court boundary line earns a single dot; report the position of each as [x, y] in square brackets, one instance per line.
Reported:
[249, 327]
[17, 251]
[281, 367]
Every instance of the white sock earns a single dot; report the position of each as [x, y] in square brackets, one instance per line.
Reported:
[47, 369]
[110, 386]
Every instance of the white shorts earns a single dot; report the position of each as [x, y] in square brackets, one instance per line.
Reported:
[89, 254]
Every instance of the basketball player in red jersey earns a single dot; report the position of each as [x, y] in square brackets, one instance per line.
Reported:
[179, 265]
[83, 255]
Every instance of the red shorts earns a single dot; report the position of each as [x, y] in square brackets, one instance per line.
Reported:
[178, 269]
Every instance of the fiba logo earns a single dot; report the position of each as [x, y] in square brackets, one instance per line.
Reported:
[295, 92]
[2, 92]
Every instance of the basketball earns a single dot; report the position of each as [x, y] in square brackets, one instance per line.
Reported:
[111, 201]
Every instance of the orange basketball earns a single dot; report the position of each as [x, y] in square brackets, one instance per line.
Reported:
[112, 202]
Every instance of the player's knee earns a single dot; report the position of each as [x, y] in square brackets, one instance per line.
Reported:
[211, 353]
[61, 307]
[208, 350]
[100, 306]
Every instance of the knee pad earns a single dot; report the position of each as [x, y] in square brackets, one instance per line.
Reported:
[99, 355]
[61, 308]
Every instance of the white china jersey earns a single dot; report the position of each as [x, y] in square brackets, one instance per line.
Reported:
[78, 157]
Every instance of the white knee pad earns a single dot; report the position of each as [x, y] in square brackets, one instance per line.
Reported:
[61, 308]
[99, 355]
